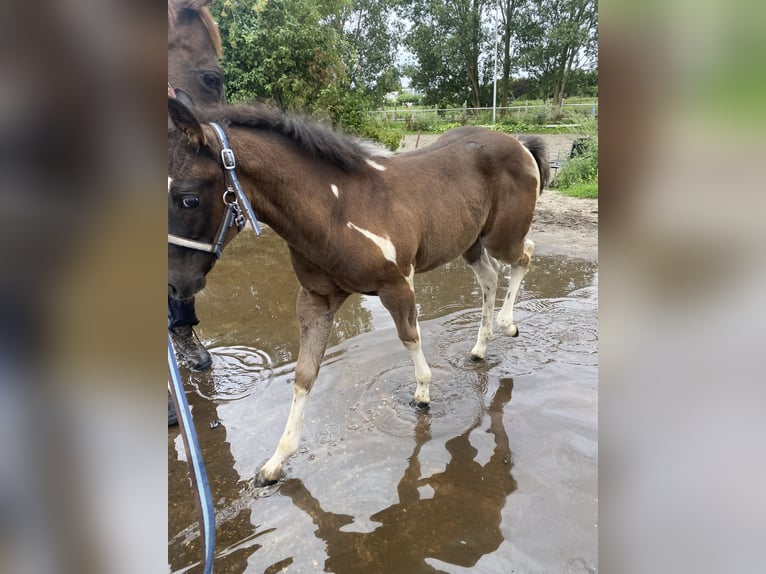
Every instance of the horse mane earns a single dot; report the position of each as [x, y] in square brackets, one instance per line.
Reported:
[178, 7]
[318, 140]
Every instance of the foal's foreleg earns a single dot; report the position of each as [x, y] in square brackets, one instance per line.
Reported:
[315, 318]
[399, 299]
[518, 271]
[486, 274]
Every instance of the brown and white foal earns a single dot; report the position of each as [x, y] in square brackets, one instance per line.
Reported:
[355, 222]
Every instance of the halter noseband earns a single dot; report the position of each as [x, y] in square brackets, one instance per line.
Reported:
[232, 198]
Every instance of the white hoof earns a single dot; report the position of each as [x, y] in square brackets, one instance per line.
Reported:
[510, 330]
[479, 352]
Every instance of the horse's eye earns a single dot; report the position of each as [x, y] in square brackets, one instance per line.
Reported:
[190, 201]
[212, 80]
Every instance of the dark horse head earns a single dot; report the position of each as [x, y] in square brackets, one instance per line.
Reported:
[194, 46]
[198, 202]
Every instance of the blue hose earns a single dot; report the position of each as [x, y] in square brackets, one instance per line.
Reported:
[194, 457]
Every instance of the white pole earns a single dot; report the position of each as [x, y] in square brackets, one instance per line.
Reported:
[494, 88]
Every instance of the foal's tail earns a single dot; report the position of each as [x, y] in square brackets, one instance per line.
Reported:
[536, 146]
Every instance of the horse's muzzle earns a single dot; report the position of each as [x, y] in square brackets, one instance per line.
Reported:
[186, 289]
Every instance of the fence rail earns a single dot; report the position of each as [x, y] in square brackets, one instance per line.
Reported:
[404, 114]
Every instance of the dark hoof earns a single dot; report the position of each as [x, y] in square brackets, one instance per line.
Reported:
[260, 481]
[517, 332]
[476, 358]
[419, 406]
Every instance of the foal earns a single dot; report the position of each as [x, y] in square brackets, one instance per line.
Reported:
[355, 222]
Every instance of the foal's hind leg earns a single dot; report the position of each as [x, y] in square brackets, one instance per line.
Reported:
[315, 317]
[399, 299]
[486, 273]
[518, 270]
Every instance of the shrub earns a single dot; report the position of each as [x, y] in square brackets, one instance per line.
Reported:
[386, 135]
[579, 170]
[420, 122]
[514, 125]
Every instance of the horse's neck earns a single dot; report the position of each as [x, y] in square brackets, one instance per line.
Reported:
[277, 181]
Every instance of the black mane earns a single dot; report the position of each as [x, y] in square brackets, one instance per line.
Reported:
[316, 139]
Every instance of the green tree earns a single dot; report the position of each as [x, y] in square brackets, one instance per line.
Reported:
[282, 50]
[331, 58]
[509, 11]
[447, 39]
[558, 36]
[371, 35]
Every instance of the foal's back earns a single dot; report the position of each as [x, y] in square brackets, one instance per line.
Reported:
[471, 184]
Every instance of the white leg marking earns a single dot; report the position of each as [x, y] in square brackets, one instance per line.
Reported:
[487, 277]
[411, 278]
[288, 444]
[335, 190]
[375, 165]
[422, 370]
[505, 316]
[536, 170]
[388, 249]
[170, 180]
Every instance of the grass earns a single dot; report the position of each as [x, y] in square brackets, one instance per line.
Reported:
[583, 190]
[578, 177]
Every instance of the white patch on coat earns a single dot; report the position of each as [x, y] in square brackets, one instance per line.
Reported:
[388, 249]
[335, 190]
[375, 165]
[170, 180]
[411, 278]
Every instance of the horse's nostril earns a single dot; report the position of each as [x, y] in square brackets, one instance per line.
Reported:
[172, 291]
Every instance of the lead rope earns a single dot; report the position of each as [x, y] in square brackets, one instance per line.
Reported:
[194, 457]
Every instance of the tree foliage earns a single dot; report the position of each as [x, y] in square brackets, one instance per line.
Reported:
[447, 39]
[509, 18]
[331, 57]
[558, 36]
[338, 58]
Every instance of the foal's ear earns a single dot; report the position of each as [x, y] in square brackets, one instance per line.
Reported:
[185, 120]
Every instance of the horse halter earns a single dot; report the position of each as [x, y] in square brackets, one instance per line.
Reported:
[232, 197]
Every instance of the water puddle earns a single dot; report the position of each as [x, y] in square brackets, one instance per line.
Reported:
[236, 372]
[498, 476]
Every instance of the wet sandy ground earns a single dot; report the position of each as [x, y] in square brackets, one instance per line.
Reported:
[499, 477]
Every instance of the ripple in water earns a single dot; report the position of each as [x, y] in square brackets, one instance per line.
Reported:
[456, 401]
[564, 328]
[236, 372]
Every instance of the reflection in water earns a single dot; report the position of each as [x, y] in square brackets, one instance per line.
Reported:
[185, 543]
[452, 516]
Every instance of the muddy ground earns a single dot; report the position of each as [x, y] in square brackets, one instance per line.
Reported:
[499, 477]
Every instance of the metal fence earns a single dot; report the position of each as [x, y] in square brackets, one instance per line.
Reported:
[406, 114]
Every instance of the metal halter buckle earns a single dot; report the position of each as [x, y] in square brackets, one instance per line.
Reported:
[227, 157]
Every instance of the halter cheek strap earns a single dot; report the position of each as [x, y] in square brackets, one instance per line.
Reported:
[229, 164]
